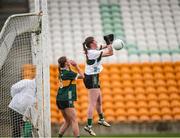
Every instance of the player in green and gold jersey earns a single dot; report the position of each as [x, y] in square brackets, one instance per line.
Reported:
[67, 94]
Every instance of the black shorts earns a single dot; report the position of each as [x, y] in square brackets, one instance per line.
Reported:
[91, 81]
[65, 104]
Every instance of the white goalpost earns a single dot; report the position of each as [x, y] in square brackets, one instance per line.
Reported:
[24, 42]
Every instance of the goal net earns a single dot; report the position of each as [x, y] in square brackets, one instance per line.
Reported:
[21, 55]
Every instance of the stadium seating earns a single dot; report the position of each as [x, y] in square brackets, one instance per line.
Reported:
[150, 28]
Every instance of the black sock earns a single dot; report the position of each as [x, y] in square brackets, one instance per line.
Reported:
[60, 135]
[101, 116]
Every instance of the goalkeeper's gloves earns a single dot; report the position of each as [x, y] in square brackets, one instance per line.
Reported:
[109, 39]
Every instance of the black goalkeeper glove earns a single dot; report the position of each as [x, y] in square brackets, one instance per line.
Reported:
[109, 39]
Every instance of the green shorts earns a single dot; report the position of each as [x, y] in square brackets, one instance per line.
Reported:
[65, 104]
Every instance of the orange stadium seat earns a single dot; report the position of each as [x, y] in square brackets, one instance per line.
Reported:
[82, 91]
[142, 104]
[149, 83]
[114, 70]
[127, 83]
[83, 106]
[128, 90]
[155, 114]
[118, 98]
[161, 89]
[53, 100]
[135, 69]
[109, 105]
[177, 68]
[163, 96]
[164, 103]
[105, 84]
[151, 90]
[120, 112]
[168, 68]
[175, 103]
[117, 91]
[107, 98]
[157, 69]
[146, 70]
[169, 75]
[139, 90]
[119, 104]
[130, 104]
[116, 84]
[153, 104]
[159, 76]
[125, 76]
[129, 97]
[174, 96]
[166, 114]
[143, 114]
[54, 107]
[104, 77]
[176, 113]
[125, 70]
[132, 114]
[115, 77]
[160, 83]
[172, 89]
[152, 96]
[178, 84]
[109, 112]
[53, 93]
[141, 97]
[177, 75]
[106, 90]
[148, 76]
[54, 114]
[136, 77]
[138, 83]
[83, 98]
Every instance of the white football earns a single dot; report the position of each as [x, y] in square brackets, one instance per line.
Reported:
[118, 44]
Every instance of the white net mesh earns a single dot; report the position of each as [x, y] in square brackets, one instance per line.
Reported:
[15, 53]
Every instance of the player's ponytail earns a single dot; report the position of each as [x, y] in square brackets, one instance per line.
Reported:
[86, 44]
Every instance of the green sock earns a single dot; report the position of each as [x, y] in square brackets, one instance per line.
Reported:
[89, 122]
[101, 116]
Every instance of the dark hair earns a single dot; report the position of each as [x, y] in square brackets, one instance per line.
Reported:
[61, 62]
[86, 44]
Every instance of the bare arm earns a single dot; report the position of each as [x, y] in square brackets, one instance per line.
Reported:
[108, 51]
[81, 74]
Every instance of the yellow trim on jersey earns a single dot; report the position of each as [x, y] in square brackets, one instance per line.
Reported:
[66, 83]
